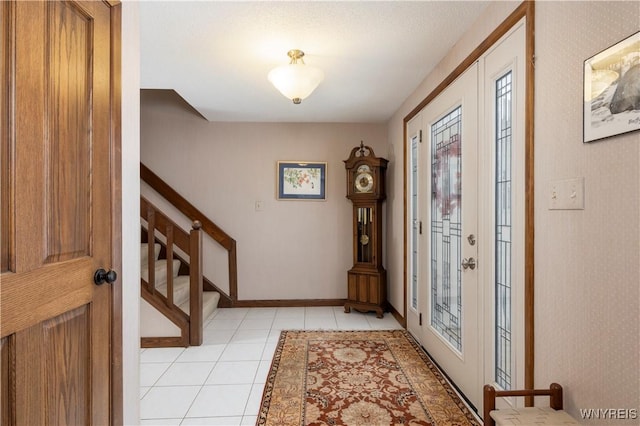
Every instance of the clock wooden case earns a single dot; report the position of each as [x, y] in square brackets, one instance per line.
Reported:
[367, 280]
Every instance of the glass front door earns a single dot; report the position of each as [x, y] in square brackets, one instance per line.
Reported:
[450, 197]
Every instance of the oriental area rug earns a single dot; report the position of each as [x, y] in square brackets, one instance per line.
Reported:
[357, 378]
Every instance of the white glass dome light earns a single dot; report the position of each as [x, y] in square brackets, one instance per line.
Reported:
[296, 80]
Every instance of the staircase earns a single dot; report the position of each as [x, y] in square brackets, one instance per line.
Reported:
[171, 282]
[176, 298]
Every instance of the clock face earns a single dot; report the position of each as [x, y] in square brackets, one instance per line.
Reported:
[364, 179]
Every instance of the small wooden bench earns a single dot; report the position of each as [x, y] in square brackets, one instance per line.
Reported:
[552, 415]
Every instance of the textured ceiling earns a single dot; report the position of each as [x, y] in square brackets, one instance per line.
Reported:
[217, 55]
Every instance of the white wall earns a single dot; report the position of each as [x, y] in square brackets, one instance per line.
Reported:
[291, 249]
[130, 274]
[587, 262]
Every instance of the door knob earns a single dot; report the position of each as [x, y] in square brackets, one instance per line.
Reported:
[469, 263]
[101, 276]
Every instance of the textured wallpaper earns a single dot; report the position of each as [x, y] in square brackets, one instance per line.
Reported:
[587, 262]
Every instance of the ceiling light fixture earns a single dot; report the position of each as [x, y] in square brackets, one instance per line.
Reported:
[296, 80]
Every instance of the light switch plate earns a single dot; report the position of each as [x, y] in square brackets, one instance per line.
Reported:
[566, 194]
[259, 206]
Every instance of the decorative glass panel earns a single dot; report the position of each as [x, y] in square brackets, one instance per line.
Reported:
[446, 227]
[503, 232]
[414, 222]
[364, 233]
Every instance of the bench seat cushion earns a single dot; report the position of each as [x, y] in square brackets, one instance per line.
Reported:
[532, 416]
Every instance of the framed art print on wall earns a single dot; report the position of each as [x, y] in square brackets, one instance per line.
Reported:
[612, 90]
[298, 180]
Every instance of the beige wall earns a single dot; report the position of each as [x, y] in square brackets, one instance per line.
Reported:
[587, 262]
[291, 249]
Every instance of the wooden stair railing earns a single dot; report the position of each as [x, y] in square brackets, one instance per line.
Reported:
[191, 244]
[209, 228]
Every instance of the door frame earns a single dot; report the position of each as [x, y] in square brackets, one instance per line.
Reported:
[525, 10]
[117, 403]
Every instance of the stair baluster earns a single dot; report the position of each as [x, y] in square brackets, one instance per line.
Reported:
[168, 232]
[151, 226]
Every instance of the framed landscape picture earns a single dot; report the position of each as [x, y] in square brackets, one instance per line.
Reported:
[612, 90]
[298, 180]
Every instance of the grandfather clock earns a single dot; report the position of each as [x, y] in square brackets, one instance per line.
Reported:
[367, 280]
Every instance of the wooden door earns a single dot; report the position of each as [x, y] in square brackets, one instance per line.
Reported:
[59, 339]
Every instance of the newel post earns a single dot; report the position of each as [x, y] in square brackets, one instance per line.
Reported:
[195, 279]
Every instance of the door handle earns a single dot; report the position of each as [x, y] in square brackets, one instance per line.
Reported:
[101, 276]
[469, 263]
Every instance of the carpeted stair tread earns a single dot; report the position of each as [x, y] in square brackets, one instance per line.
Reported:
[180, 289]
[161, 271]
[209, 303]
[144, 253]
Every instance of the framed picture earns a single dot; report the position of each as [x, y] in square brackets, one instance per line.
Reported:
[612, 90]
[298, 180]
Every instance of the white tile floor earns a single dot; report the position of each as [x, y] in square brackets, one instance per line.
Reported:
[221, 382]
